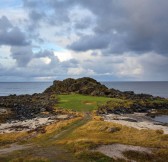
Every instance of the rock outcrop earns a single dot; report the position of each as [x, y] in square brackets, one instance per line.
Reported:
[129, 103]
[86, 86]
[89, 86]
[134, 106]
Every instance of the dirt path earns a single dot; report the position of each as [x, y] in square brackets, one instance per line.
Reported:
[74, 126]
[55, 153]
[116, 150]
[13, 147]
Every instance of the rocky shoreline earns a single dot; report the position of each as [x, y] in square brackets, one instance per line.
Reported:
[27, 112]
[152, 108]
[24, 107]
[35, 124]
[138, 121]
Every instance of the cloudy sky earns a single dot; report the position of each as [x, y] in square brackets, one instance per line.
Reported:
[119, 40]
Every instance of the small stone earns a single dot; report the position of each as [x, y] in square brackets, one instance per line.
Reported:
[113, 129]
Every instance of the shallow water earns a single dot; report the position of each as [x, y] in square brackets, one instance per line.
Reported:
[162, 118]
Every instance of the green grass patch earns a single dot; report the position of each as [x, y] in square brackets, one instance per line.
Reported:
[82, 103]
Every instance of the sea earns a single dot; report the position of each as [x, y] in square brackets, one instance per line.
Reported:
[18, 88]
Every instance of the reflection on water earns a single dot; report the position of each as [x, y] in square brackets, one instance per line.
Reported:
[162, 118]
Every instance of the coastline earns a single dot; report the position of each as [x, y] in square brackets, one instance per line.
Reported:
[138, 121]
[83, 115]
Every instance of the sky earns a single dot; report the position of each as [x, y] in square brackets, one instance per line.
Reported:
[109, 40]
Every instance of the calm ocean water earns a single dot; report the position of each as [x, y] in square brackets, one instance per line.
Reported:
[22, 88]
[154, 88]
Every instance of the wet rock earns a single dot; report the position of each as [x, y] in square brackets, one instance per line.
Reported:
[113, 129]
[3, 111]
[42, 110]
[130, 120]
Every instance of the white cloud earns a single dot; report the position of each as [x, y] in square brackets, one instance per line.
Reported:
[17, 16]
[5, 58]
[130, 66]
[80, 71]
[63, 55]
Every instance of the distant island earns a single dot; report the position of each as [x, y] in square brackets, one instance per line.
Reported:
[83, 120]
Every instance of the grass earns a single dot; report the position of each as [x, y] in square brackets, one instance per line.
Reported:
[95, 133]
[81, 134]
[42, 149]
[52, 130]
[30, 159]
[94, 157]
[82, 103]
[9, 138]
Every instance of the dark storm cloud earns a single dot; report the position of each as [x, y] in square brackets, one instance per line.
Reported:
[36, 15]
[91, 42]
[11, 35]
[30, 66]
[121, 26]
[136, 26]
[4, 23]
[53, 12]
[83, 23]
[72, 63]
[30, 3]
[44, 53]
[22, 55]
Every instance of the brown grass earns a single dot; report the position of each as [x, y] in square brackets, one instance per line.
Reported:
[93, 134]
[30, 159]
[8, 138]
[58, 126]
[160, 155]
